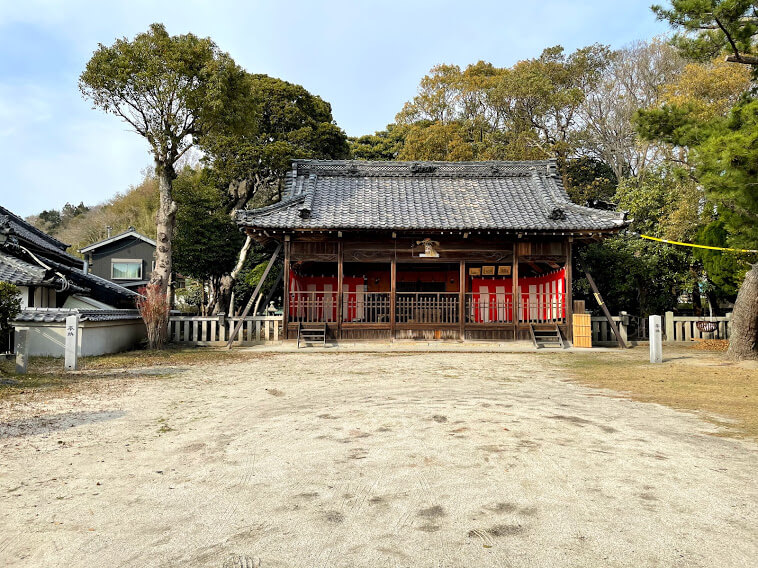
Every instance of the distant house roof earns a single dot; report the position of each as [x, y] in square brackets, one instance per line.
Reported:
[30, 257]
[131, 232]
[30, 236]
[58, 315]
[515, 196]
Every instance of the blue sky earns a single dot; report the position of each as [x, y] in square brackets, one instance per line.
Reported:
[365, 57]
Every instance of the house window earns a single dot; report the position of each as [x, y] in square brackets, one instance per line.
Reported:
[126, 269]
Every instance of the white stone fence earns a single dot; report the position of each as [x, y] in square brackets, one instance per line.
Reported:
[676, 328]
[216, 330]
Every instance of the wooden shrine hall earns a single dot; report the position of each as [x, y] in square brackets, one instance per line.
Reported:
[427, 250]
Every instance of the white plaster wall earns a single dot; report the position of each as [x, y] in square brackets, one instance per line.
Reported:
[24, 291]
[98, 338]
[95, 338]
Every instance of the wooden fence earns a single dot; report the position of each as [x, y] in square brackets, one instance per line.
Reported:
[677, 328]
[684, 328]
[215, 330]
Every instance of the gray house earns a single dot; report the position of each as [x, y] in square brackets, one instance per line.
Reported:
[126, 259]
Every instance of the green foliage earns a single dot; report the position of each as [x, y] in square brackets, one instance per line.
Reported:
[588, 179]
[727, 166]
[527, 111]
[725, 269]
[136, 207]
[288, 122]
[50, 220]
[255, 265]
[206, 240]
[190, 298]
[383, 145]
[638, 276]
[707, 28]
[170, 89]
[10, 306]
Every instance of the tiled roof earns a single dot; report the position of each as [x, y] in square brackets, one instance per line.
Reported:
[50, 315]
[20, 273]
[29, 234]
[95, 284]
[526, 196]
[130, 233]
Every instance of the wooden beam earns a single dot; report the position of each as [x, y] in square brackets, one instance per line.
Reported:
[393, 296]
[608, 316]
[254, 296]
[516, 298]
[286, 289]
[569, 295]
[340, 279]
[462, 301]
[535, 266]
[553, 265]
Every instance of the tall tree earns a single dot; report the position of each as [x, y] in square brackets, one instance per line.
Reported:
[250, 163]
[724, 150]
[172, 90]
[708, 28]
[632, 80]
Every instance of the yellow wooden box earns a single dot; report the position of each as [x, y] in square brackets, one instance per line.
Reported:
[582, 330]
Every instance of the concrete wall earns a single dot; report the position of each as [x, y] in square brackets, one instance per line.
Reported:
[95, 338]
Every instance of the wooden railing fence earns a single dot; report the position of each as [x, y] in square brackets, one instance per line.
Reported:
[215, 330]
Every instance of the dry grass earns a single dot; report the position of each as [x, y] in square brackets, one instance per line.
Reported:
[46, 373]
[726, 393]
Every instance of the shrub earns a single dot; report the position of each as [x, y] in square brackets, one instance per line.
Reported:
[10, 306]
[153, 306]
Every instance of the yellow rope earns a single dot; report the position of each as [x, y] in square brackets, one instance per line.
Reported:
[696, 246]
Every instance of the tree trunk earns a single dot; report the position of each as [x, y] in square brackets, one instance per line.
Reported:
[165, 222]
[227, 280]
[743, 342]
[156, 320]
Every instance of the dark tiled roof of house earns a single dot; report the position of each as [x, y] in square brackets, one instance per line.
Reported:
[20, 273]
[58, 315]
[131, 232]
[28, 234]
[28, 249]
[517, 196]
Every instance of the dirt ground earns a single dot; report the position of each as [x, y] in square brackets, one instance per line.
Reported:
[380, 459]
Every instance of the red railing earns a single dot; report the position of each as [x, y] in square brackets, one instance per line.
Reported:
[489, 308]
[426, 307]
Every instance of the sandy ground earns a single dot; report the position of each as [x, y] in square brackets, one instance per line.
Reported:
[337, 460]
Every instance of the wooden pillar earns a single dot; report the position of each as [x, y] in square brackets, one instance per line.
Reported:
[516, 295]
[569, 292]
[393, 294]
[340, 279]
[462, 302]
[286, 276]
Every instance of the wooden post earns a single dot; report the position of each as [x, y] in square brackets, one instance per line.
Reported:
[251, 300]
[340, 279]
[669, 323]
[516, 299]
[569, 297]
[21, 335]
[286, 298]
[393, 295]
[462, 302]
[608, 316]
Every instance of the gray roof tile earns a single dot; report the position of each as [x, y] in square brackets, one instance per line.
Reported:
[49, 315]
[524, 196]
